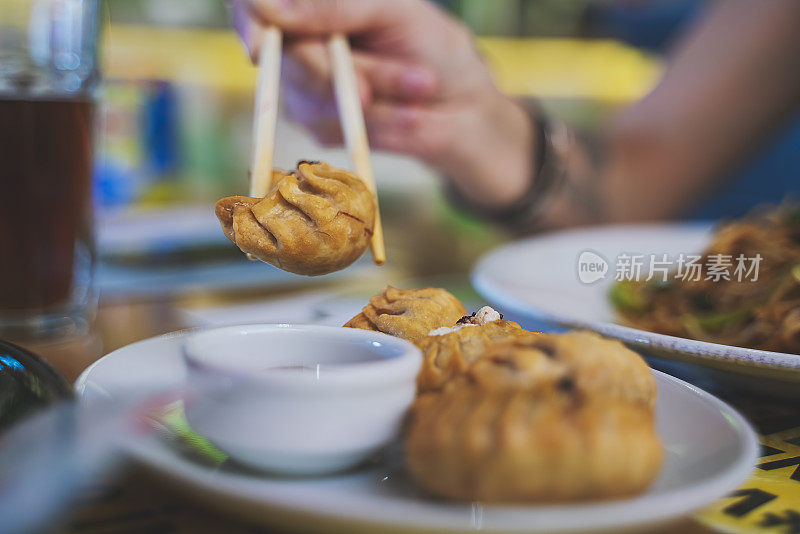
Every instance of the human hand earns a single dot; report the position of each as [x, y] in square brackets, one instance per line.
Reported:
[425, 89]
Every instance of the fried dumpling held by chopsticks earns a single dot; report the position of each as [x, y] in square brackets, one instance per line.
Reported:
[315, 220]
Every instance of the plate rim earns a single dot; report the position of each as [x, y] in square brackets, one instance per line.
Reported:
[206, 483]
[704, 350]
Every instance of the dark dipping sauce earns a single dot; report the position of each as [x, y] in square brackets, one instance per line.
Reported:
[45, 198]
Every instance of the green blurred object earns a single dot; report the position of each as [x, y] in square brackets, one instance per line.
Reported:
[174, 419]
[202, 13]
[629, 297]
[524, 18]
[27, 384]
[717, 321]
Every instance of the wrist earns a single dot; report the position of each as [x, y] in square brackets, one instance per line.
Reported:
[493, 164]
[528, 211]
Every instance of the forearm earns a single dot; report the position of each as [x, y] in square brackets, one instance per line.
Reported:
[731, 83]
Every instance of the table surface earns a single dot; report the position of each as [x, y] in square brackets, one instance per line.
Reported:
[140, 501]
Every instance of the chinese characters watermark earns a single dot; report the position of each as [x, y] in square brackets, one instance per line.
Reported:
[661, 267]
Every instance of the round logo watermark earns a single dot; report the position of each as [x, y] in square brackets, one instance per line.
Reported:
[591, 267]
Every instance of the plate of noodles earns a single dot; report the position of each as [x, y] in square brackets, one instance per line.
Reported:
[724, 296]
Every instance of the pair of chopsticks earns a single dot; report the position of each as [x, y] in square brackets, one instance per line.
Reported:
[351, 115]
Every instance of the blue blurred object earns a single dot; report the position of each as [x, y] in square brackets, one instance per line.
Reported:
[651, 25]
[113, 184]
[27, 384]
[770, 177]
[142, 144]
[160, 130]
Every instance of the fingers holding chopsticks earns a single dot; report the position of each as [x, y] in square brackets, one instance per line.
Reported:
[387, 89]
[308, 24]
[307, 67]
[323, 17]
[391, 126]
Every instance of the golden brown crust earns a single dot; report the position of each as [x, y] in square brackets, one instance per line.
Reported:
[539, 418]
[314, 221]
[596, 364]
[448, 355]
[409, 313]
[522, 447]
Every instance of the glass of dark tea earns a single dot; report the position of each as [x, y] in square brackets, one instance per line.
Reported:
[48, 80]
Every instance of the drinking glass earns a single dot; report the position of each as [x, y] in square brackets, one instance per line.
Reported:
[48, 81]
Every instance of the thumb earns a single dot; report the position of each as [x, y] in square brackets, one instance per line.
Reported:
[315, 17]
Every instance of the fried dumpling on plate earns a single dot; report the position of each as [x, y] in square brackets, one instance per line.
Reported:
[521, 446]
[519, 426]
[447, 352]
[315, 220]
[409, 313]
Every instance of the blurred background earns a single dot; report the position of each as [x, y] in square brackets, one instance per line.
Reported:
[174, 121]
[177, 113]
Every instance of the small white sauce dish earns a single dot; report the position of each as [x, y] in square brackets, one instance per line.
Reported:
[298, 399]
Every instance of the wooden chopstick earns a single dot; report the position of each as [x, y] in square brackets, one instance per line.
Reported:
[265, 117]
[354, 129]
[350, 112]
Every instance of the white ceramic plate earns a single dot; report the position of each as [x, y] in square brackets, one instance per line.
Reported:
[537, 279]
[710, 450]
